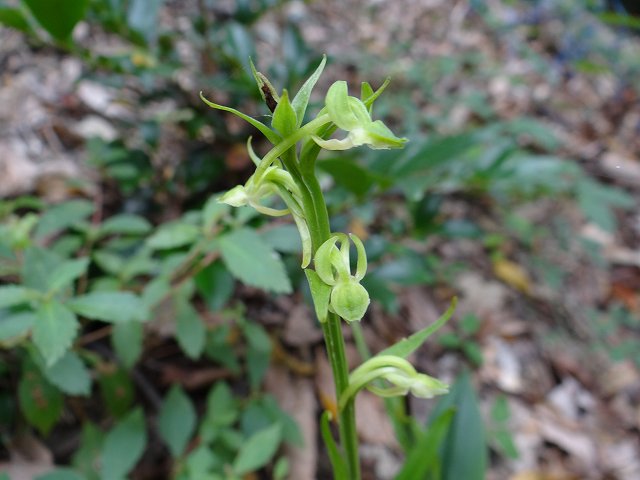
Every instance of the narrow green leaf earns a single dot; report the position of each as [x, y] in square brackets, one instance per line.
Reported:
[70, 375]
[248, 258]
[321, 294]
[190, 331]
[272, 136]
[67, 272]
[406, 346]
[464, 453]
[284, 117]
[173, 235]
[301, 100]
[58, 17]
[66, 214]
[11, 295]
[258, 450]
[116, 307]
[126, 338]
[338, 462]
[40, 402]
[177, 420]
[125, 223]
[423, 459]
[54, 330]
[123, 446]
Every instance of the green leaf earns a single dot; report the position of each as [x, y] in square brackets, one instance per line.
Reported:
[284, 117]
[67, 214]
[67, 272]
[321, 294]
[116, 389]
[86, 457]
[190, 331]
[258, 450]
[272, 136]
[422, 459]
[258, 354]
[61, 474]
[40, 402]
[249, 259]
[38, 266]
[11, 295]
[301, 100]
[54, 330]
[338, 462]
[407, 346]
[464, 453]
[348, 174]
[212, 212]
[142, 18]
[123, 446]
[13, 17]
[173, 235]
[125, 223]
[126, 338]
[70, 375]
[222, 410]
[116, 307]
[215, 285]
[177, 420]
[597, 202]
[16, 324]
[58, 17]
[283, 238]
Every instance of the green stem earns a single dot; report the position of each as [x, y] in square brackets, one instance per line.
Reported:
[334, 339]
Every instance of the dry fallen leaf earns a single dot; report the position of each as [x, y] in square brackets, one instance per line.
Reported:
[512, 274]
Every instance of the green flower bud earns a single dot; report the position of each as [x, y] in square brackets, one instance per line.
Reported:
[349, 300]
[351, 114]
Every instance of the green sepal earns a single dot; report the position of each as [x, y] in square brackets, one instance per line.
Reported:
[369, 99]
[301, 100]
[321, 293]
[346, 112]
[338, 463]
[272, 136]
[407, 346]
[284, 117]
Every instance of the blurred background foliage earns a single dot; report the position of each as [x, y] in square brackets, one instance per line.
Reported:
[129, 347]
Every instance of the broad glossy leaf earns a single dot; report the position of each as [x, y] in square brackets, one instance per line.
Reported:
[13, 17]
[38, 266]
[177, 420]
[54, 330]
[58, 17]
[17, 324]
[123, 446]
[248, 258]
